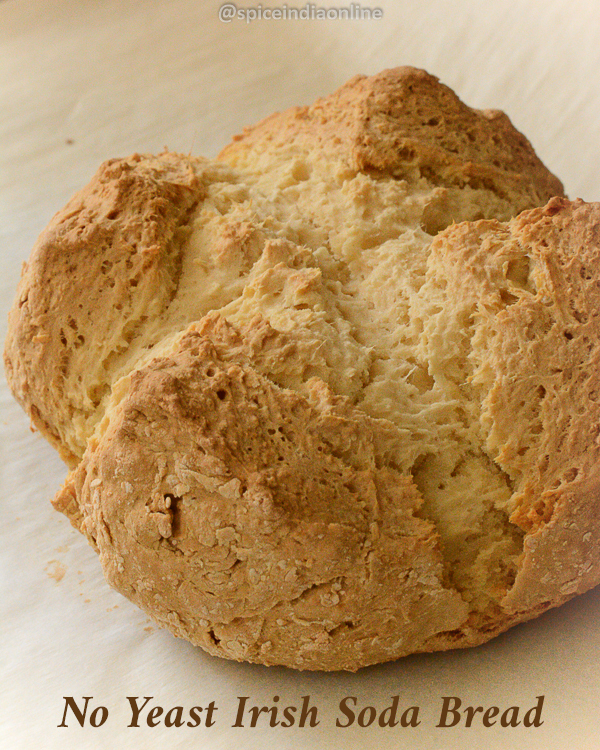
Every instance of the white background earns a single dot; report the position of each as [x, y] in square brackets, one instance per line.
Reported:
[134, 75]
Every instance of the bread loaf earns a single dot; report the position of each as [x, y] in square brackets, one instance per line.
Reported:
[334, 397]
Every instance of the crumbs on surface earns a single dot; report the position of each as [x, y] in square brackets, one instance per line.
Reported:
[56, 570]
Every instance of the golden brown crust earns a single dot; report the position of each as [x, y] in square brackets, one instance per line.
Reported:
[260, 516]
[105, 263]
[406, 123]
[546, 356]
[530, 287]
[304, 430]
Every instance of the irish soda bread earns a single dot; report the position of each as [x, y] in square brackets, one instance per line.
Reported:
[334, 397]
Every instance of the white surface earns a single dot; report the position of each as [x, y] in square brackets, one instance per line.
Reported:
[116, 77]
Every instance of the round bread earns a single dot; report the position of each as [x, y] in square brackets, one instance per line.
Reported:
[333, 398]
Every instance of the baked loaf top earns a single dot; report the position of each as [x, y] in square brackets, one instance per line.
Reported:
[334, 398]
